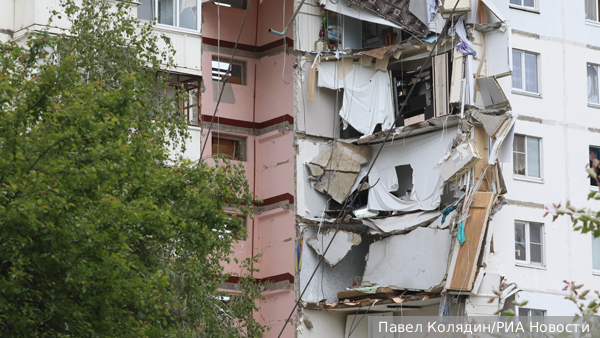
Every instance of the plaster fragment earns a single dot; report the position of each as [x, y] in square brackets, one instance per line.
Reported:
[342, 244]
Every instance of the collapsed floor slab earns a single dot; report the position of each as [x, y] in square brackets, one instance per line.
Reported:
[414, 261]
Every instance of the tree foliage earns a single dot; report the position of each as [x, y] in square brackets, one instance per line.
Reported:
[98, 237]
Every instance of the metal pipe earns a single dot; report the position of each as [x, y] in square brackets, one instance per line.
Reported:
[289, 23]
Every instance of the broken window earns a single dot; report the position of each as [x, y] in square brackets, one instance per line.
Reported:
[526, 156]
[591, 10]
[230, 147]
[523, 3]
[529, 242]
[177, 13]
[525, 71]
[594, 154]
[405, 182]
[592, 83]
[220, 68]
[232, 3]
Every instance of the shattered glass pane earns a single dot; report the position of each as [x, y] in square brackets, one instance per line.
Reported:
[533, 157]
[188, 13]
[531, 77]
[517, 75]
[520, 251]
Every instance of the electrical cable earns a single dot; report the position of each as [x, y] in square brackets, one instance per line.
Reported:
[342, 211]
[225, 81]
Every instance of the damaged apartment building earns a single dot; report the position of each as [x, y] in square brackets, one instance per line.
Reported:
[420, 179]
[401, 151]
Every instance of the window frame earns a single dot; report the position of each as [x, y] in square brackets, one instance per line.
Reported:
[593, 104]
[176, 27]
[529, 312]
[592, 187]
[595, 240]
[242, 140]
[523, 90]
[540, 151]
[593, 21]
[241, 63]
[522, 6]
[527, 260]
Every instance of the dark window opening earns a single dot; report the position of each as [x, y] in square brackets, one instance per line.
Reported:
[594, 154]
[232, 149]
[405, 181]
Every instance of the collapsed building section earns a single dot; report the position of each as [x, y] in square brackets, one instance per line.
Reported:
[402, 129]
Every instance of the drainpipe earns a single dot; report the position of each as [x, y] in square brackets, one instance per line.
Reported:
[289, 23]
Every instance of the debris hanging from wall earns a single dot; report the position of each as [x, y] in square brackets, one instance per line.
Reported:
[336, 168]
[366, 101]
[341, 245]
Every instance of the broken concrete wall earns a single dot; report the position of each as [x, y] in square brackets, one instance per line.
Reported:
[336, 243]
[309, 202]
[415, 261]
[320, 116]
[328, 280]
[336, 168]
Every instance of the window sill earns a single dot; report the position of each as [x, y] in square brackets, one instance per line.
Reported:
[596, 272]
[532, 266]
[527, 9]
[594, 188]
[519, 92]
[592, 23]
[593, 105]
[528, 179]
[172, 29]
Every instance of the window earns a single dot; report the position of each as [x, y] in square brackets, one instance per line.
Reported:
[229, 147]
[524, 3]
[176, 13]
[235, 234]
[591, 9]
[596, 253]
[529, 242]
[594, 154]
[527, 156]
[592, 83]
[232, 3]
[531, 313]
[525, 71]
[220, 68]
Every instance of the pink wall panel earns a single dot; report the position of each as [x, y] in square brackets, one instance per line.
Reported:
[270, 16]
[242, 105]
[275, 163]
[276, 235]
[274, 93]
[275, 311]
[231, 20]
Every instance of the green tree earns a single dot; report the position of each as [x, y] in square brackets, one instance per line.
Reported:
[98, 237]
